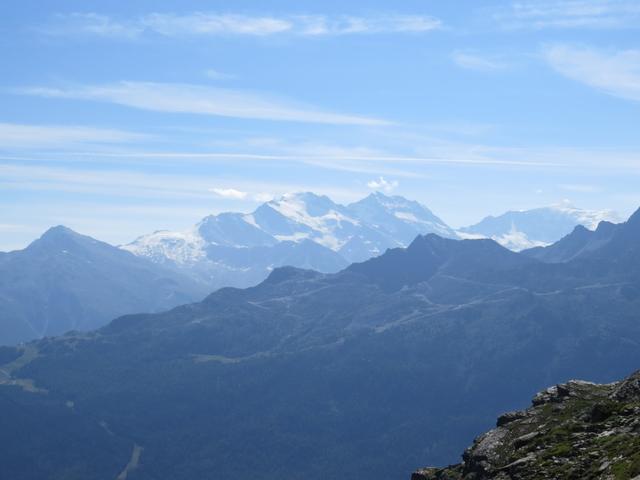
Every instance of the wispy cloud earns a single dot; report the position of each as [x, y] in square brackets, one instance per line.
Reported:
[91, 24]
[474, 61]
[29, 136]
[215, 24]
[615, 73]
[559, 14]
[198, 99]
[383, 184]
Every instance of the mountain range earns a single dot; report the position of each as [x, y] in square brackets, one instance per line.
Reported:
[391, 363]
[302, 230]
[68, 281]
[306, 230]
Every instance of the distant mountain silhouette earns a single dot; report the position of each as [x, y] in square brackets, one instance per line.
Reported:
[65, 281]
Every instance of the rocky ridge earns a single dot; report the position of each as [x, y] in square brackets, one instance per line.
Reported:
[572, 430]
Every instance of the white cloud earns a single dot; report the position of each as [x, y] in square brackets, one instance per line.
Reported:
[382, 184]
[616, 73]
[472, 61]
[230, 193]
[198, 99]
[213, 24]
[233, 194]
[601, 14]
[27, 136]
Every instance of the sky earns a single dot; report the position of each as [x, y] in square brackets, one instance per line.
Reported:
[125, 117]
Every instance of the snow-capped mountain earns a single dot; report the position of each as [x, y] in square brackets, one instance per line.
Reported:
[519, 230]
[300, 229]
[399, 218]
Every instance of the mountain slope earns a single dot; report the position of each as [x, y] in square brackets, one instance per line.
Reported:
[519, 230]
[367, 372]
[573, 430]
[66, 281]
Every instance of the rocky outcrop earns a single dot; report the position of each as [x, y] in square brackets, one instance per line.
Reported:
[573, 430]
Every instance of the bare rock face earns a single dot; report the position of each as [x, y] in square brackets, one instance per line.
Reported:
[572, 430]
[628, 390]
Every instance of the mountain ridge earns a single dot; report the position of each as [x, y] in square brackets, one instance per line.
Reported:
[331, 375]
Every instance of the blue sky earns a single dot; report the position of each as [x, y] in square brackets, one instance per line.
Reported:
[120, 118]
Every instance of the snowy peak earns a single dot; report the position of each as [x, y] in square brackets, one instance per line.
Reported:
[307, 216]
[519, 230]
[304, 205]
[399, 217]
[163, 246]
[355, 232]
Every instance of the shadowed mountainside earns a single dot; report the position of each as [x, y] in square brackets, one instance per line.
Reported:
[389, 364]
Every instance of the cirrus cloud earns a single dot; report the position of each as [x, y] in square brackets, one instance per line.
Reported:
[473, 61]
[615, 73]
[570, 14]
[204, 100]
[13, 135]
[215, 24]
